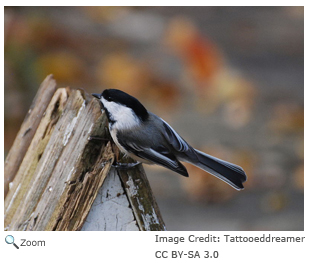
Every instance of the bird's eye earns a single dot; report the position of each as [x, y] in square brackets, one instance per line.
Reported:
[108, 98]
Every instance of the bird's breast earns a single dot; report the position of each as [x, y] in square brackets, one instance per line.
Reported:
[113, 133]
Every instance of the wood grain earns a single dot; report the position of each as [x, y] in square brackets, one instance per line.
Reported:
[62, 174]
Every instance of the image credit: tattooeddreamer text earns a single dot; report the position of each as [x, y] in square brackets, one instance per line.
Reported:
[211, 246]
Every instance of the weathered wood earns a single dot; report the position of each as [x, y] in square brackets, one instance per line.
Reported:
[71, 162]
[141, 198]
[63, 174]
[111, 209]
[27, 130]
[18, 198]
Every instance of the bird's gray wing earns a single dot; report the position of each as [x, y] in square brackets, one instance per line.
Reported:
[177, 142]
[157, 154]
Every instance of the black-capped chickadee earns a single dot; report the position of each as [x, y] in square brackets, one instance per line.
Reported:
[147, 138]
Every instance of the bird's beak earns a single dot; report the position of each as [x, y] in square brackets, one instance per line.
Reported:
[98, 96]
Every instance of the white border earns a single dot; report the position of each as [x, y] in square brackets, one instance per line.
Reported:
[137, 246]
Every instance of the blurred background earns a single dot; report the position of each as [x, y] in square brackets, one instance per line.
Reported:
[230, 80]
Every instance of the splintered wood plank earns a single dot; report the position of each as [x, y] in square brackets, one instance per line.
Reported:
[75, 161]
[64, 161]
[27, 130]
[111, 209]
[79, 197]
[141, 198]
[124, 193]
[16, 200]
[65, 180]
[139, 193]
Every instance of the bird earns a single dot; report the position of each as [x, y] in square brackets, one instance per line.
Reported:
[147, 138]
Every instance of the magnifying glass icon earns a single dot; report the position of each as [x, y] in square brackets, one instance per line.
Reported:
[10, 240]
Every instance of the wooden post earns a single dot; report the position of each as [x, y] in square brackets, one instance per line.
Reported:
[61, 180]
[27, 130]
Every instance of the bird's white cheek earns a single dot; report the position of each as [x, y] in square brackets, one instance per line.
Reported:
[123, 117]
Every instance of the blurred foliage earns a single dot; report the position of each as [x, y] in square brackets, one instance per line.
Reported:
[170, 64]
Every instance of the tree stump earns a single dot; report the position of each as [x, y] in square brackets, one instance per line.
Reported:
[56, 178]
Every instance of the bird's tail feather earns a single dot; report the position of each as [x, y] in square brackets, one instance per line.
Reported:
[230, 173]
